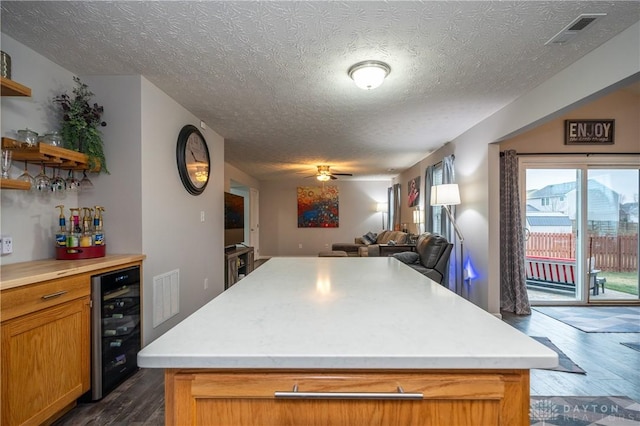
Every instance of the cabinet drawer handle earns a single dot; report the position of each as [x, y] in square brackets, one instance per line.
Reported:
[52, 295]
[400, 394]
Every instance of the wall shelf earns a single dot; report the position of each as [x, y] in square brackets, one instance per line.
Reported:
[47, 155]
[14, 184]
[12, 88]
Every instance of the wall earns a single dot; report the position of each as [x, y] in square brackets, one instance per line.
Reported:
[147, 208]
[173, 235]
[477, 154]
[28, 217]
[280, 235]
[622, 105]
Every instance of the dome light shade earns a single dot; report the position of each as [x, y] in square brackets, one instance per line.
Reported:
[369, 74]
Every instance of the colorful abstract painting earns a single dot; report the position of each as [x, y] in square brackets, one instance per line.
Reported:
[318, 206]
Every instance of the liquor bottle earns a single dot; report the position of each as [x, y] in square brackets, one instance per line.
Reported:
[98, 232]
[86, 236]
[61, 235]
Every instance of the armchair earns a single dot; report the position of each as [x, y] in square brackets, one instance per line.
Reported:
[431, 258]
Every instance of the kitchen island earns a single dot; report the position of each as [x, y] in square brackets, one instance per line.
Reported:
[344, 341]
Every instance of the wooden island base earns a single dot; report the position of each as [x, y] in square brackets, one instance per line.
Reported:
[440, 397]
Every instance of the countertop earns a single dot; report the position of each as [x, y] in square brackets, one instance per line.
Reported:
[24, 273]
[342, 313]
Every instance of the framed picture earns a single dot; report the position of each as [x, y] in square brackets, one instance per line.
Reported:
[318, 206]
[414, 192]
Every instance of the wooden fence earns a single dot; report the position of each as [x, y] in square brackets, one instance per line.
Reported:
[614, 254]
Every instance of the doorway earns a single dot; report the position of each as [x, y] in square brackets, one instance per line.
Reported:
[251, 214]
[581, 229]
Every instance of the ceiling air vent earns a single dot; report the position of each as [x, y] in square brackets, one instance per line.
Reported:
[577, 25]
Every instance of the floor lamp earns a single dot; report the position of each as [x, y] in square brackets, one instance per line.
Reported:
[449, 195]
[382, 208]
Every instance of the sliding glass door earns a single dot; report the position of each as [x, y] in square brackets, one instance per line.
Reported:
[581, 230]
[612, 233]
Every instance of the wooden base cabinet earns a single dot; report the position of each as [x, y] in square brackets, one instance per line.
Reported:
[427, 397]
[45, 334]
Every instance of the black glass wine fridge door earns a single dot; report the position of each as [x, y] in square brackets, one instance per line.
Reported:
[115, 334]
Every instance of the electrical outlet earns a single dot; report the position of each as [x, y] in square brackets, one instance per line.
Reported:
[300, 245]
[202, 216]
[7, 244]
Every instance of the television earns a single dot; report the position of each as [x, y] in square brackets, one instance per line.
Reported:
[233, 219]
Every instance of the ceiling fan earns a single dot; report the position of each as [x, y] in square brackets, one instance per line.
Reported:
[324, 174]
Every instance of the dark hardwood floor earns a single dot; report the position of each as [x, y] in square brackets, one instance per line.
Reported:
[139, 401]
[612, 369]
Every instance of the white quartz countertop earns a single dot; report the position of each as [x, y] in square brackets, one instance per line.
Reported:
[342, 313]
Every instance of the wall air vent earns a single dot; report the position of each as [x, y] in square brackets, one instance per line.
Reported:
[577, 25]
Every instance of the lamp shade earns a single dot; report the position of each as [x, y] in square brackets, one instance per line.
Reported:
[369, 74]
[382, 207]
[445, 195]
[417, 215]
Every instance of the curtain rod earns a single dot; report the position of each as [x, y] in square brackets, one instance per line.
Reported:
[572, 153]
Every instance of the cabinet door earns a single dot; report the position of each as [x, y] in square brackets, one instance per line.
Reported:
[45, 362]
[459, 397]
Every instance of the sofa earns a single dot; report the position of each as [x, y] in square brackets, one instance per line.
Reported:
[360, 245]
[431, 256]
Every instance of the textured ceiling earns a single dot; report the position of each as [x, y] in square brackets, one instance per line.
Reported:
[271, 77]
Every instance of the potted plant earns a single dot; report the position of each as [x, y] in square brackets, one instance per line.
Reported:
[81, 122]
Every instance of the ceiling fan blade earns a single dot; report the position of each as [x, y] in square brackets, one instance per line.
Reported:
[333, 177]
[342, 174]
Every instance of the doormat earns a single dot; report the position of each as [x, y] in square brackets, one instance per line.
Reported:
[583, 411]
[635, 346]
[596, 319]
[564, 362]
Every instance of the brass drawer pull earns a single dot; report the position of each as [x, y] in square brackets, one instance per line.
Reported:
[53, 295]
[400, 394]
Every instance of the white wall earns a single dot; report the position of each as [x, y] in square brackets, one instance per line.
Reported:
[477, 157]
[147, 209]
[28, 217]
[120, 191]
[280, 235]
[173, 235]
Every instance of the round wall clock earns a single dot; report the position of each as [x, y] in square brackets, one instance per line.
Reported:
[193, 160]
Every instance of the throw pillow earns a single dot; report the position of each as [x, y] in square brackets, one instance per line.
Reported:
[407, 257]
[369, 238]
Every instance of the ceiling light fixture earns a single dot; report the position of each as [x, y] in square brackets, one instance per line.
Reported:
[323, 177]
[369, 74]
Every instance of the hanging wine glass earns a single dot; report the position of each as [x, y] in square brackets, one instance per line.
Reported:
[6, 163]
[26, 177]
[42, 182]
[73, 184]
[85, 182]
[58, 184]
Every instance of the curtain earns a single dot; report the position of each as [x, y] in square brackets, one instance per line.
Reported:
[387, 223]
[513, 288]
[397, 201]
[428, 210]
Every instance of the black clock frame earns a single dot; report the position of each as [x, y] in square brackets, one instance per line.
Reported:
[181, 159]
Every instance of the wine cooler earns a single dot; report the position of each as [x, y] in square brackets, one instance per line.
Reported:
[115, 334]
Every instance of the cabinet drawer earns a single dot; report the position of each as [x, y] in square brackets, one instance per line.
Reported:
[19, 301]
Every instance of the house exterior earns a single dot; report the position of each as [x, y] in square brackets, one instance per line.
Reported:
[604, 211]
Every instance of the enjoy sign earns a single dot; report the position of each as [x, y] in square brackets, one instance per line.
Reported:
[588, 132]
